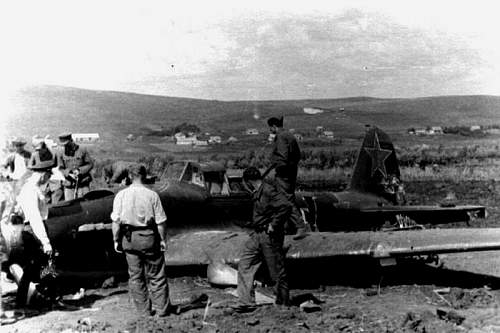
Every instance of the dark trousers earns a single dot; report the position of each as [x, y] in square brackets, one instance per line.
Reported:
[258, 248]
[287, 185]
[143, 269]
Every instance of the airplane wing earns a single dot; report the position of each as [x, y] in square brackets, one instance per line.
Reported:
[204, 247]
[430, 214]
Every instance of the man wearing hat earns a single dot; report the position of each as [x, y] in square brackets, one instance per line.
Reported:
[271, 210]
[16, 162]
[139, 230]
[53, 188]
[285, 158]
[33, 206]
[75, 163]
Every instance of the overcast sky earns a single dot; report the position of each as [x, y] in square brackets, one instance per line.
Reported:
[259, 50]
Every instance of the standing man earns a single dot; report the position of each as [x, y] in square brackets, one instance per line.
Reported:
[285, 158]
[16, 161]
[271, 210]
[75, 163]
[139, 230]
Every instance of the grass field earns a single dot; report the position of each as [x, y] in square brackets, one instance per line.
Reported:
[114, 115]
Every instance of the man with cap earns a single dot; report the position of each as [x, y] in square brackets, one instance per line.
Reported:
[139, 230]
[33, 207]
[53, 188]
[75, 163]
[16, 161]
[271, 210]
[285, 158]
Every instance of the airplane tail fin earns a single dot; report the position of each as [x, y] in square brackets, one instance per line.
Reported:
[377, 166]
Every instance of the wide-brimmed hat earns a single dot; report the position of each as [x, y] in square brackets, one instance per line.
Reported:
[43, 161]
[17, 141]
[63, 137]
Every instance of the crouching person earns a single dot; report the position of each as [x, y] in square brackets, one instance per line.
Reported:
[33, 206]
[139, 231]
[271, 210]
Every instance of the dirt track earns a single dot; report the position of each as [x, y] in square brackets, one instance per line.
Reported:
[357, 296]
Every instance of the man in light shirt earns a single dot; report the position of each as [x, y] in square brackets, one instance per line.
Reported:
[16, 161]
[139, 231]
[32, 204]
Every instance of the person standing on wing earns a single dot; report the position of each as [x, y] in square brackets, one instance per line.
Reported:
[285, 157]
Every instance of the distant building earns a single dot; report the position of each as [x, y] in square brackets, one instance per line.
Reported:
[420, 131]
[200, 143]
[341, 109]
[475, 128]
[85, 137]
[252, 131]
[437, 130]
[215, 139]
[320, 129]
[231, 139]
[182, 139]
[130, 137]
[495, 131]
[411, 131]
[328, 134]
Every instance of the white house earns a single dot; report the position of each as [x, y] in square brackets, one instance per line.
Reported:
[420, 131]
[85, 137]
[199, 143]
[182, 139]
[475, 128]
[252, 131]
[328, 134]
[437, 129]
[215, 139]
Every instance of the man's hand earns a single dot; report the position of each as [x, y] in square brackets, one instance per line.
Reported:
[74, 174]
[270, 229]
[163, 246]
[118, 247]
[47, 249]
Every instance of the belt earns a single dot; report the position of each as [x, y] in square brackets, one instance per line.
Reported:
[127, 230]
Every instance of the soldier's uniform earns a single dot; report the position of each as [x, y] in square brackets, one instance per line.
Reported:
[137, 209]
[270, 207]
[285, 158]
[75, 163]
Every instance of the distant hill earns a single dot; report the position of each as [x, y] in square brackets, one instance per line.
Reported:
[51, 110]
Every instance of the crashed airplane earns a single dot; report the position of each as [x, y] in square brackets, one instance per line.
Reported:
[207, 208]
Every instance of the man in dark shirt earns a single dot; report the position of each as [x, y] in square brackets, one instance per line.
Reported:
[285, 159]
[271, 210]
[75, 163]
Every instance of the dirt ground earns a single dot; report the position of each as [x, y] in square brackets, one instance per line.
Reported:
[461, 294]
